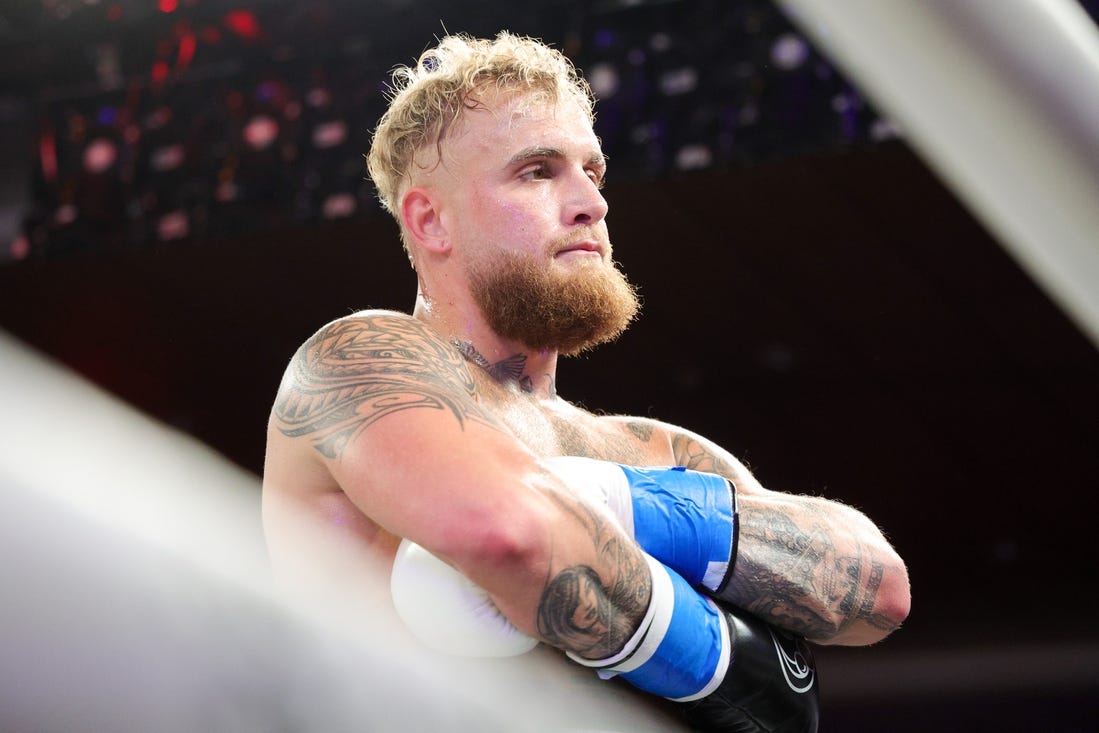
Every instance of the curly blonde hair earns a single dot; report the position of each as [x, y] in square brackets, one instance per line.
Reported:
[425, 100]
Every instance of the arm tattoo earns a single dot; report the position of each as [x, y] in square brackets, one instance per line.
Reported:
[690, 453]
[812, 588]
[643, 431]
[789, 569]
[778, 570]
[356, 371]
[581, 612]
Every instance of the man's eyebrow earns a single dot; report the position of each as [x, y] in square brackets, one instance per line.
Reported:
[533, 153]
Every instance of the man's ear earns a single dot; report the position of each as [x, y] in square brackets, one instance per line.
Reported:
[421, 218]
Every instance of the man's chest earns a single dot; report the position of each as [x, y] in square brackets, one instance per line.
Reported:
[562, 429]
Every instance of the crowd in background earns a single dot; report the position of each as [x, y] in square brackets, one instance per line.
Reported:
[158, 121]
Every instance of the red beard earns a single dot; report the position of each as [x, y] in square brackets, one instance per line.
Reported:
[546, 308]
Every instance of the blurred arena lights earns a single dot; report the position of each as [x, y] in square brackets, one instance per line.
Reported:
[257, 114]
[246, 115]
[100, 155]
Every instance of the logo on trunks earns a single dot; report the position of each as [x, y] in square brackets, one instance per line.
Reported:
[795, 668]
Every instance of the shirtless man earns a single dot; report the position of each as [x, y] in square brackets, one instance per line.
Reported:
[444, 426]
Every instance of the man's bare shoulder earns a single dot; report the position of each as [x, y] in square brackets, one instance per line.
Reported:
[373, 342]
[644, 429]
[682, 447]
[374, 323]
[357, 369]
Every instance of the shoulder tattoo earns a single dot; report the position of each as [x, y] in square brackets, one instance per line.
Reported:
[356, 371]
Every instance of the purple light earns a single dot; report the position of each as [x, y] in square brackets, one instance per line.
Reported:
[107, 116]
[604, 80]
[267, 91]
[789, 51]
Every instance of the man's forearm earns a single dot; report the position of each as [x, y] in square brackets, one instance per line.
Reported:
[818, 568]
[809, 565]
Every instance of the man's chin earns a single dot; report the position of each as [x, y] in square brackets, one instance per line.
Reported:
[581, 301]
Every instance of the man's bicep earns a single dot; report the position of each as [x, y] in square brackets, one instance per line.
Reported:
[420, 475]
[391, 408]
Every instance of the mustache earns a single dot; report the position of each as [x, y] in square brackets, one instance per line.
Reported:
[586, 233]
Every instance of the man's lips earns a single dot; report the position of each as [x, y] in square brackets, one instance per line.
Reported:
[585, 246]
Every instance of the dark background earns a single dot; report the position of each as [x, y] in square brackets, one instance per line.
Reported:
[814, 299]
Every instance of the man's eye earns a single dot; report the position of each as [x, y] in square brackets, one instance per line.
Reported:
[536, 172]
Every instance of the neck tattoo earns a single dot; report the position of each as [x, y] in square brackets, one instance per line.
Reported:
[507, 370]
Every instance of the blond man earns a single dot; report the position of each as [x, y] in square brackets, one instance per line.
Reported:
[636, 547]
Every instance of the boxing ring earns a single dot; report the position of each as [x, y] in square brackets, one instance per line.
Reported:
[137, 598]
[1002, 101]
[136, 591]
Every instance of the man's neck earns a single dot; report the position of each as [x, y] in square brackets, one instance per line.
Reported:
[508, 364]
[508, 371]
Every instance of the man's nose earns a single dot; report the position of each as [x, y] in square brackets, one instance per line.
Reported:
[586, 205]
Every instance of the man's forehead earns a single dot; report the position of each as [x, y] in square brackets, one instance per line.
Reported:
[518, 120]
[500, 125]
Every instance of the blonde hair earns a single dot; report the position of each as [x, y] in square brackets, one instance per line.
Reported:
[425, 100]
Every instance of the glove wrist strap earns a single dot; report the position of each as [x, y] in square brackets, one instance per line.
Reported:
[735, 542]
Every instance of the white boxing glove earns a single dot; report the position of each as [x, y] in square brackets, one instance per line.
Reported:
[447, 611]
[599, 482]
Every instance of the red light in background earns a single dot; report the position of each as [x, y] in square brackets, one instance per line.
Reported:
[47, 153]
[186, 51]
[168, 157]
[168, 6]
[244, 24]
[211, 35]
[330, 134]
[100, 155]
[159, 72]
[261, 131]
[234, 100]
[20, 248]
[173, 225]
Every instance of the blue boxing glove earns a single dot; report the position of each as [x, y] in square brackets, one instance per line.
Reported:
[686, 519]
[730, 672]
[754, 678]
[726, 670]
[680, 651]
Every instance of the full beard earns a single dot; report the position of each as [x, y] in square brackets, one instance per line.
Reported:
[542, 307]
